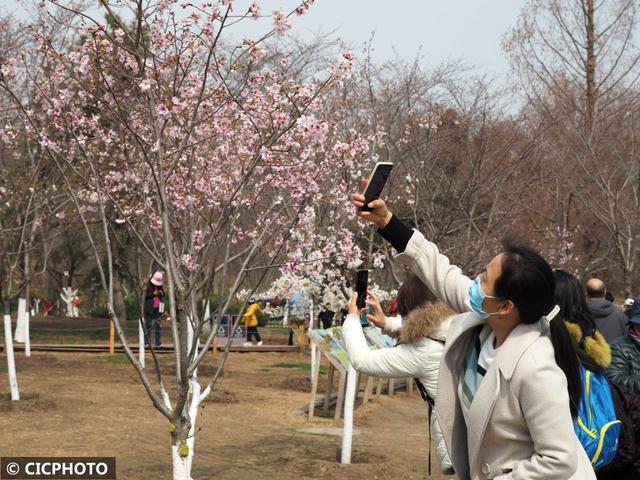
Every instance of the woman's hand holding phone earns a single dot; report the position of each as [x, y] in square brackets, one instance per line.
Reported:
[377, 316]
[352, 306]
[379, 215]
[361, 313]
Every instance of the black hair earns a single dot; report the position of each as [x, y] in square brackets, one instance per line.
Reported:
[609, 296]
[412, 294]
[528, 281]
[595, 292]
[572, 300]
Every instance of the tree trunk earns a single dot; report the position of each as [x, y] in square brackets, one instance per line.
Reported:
[591, 94]
[121, 245]
[628, 287]
[118, 297]
[27, 275]
[184, 436]
[11, 365]
[181, 458]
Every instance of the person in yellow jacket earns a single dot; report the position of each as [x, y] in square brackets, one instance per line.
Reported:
[250, 319]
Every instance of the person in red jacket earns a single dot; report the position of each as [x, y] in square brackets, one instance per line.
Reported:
[393, 306]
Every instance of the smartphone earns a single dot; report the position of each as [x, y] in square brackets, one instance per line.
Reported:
[376, 183]
[363, 317]
[362, 282]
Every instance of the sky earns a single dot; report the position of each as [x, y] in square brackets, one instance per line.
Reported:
[470, 30]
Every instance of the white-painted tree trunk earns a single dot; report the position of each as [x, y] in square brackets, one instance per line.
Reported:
[347, 429]
[27, 336]
[20, 322]
[207, 309]
[36, 306]
[285, 320]
[141, 343]
[314, 358]
[11, 364]
[67, 296]
[182, 465]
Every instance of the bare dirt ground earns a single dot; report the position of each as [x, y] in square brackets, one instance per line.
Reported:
[94, 405]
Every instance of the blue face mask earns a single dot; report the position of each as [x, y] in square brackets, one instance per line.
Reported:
[476, 298]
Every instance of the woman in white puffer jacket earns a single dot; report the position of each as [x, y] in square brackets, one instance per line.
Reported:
[422, 328]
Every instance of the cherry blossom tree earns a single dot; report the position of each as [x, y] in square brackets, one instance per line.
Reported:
[168, 126]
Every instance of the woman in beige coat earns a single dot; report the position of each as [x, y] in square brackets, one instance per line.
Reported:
[504, 404]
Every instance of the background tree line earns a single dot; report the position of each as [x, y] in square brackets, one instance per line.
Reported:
[551, 158]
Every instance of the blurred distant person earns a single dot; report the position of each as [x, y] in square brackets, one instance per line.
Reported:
[625, 354]
[393, 306]
[628, 306]
[610, 320]
[250, 319]
[47, 306]
[326, 318]
[75, 306]
[298, 320]
[609, 296]
[152, 301]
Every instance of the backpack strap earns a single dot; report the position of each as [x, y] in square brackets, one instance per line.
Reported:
[587, 382]
[430, 404]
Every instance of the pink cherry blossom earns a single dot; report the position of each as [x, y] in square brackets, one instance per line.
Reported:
[280, 119]
[163, 111]
[302, 9]
[281, 22]
[254, 10]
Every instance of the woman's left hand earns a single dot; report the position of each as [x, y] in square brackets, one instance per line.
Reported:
[352, 306]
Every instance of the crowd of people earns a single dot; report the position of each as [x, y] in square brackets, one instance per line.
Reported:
[532, 373]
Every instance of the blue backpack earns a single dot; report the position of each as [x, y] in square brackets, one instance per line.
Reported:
[596, 425]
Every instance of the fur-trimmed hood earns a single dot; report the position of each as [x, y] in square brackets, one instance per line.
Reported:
[594, 347]
[431, 320]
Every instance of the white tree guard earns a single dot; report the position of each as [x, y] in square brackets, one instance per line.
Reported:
[141, 343]
[11, 364]
[21, 321]
[27, 335]
[347, 429]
